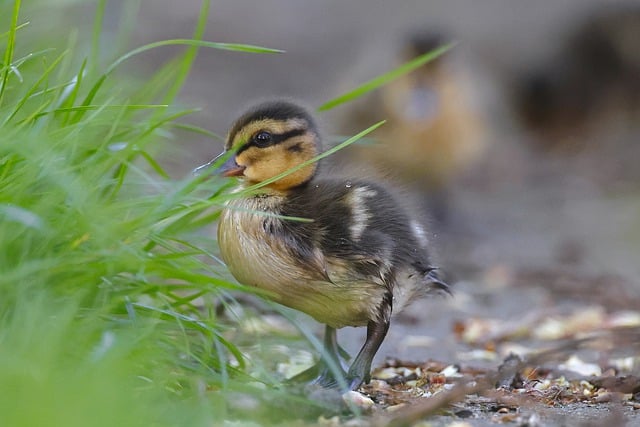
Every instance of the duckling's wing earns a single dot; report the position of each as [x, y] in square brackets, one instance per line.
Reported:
[361, 232]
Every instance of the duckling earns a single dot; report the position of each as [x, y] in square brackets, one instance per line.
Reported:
[355, 258]
[434, 133]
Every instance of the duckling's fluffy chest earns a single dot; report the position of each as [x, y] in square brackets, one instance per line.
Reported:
[258, 253]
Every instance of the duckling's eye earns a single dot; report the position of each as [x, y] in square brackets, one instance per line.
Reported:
[262, 139]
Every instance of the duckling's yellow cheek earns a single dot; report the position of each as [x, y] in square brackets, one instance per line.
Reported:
[248, 161]
[252, 174]
[262, 165]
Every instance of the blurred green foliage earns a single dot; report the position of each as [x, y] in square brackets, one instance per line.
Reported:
[107, 308]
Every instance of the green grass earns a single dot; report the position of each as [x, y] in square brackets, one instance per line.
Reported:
[110, 290]
[108, 308]
[385, 78]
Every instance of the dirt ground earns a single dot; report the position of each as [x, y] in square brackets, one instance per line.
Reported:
[541, 246]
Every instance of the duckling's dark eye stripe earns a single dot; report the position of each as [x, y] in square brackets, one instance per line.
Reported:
[276, 138]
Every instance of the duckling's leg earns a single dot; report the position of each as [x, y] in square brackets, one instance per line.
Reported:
[330, 366]
[360, 370]
[325, 372]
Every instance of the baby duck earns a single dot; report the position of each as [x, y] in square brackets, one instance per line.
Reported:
[434, 133]
[355, 257]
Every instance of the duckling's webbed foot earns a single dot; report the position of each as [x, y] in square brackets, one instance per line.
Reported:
[328, 372]
[360, 370]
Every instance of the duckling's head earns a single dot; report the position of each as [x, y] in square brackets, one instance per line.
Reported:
[421, 42]
[269, 139]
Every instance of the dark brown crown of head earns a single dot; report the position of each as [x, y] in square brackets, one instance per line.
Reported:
[422, 42]
[280, 110]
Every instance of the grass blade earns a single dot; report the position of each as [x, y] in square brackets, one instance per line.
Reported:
[97, 30]
[70, 93]
[190, 42]
[8, 54]
[385, 78]
[33, 88]
[19, 27]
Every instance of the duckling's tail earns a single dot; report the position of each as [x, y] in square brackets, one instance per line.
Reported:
[421, 282]
[436, 284]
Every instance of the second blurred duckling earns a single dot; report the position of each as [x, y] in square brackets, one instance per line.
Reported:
[433, 133]
[356, 255]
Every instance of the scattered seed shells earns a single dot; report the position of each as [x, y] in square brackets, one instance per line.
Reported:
[451, 371]
[575, 364]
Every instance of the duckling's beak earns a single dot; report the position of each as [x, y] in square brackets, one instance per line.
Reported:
[228, 168]
[231, 168]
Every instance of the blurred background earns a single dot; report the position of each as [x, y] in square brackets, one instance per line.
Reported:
[520, 146]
